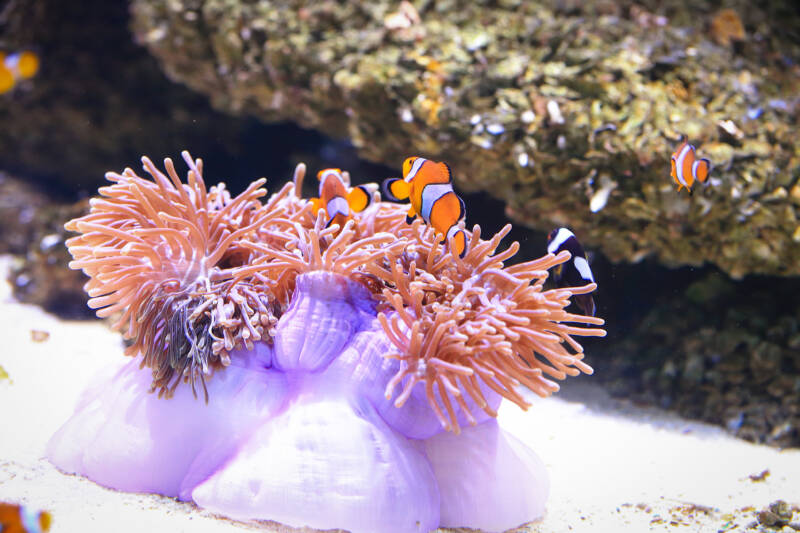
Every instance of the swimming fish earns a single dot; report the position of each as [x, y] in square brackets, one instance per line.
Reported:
[22, 519]
[428, 185]
[336, 200]
[574, 273]
[17, 67]
[686, 168]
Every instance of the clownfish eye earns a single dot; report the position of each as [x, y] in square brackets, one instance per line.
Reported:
[407, 165]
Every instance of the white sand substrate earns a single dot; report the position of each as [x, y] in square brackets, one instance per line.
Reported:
[613, 467]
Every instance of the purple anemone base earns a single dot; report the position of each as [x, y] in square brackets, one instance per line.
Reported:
[300, 432]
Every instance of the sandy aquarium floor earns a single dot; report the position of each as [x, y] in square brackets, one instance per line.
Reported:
[613, 467]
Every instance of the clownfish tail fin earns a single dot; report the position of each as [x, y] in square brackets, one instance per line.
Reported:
[703, 169]
[457, 240]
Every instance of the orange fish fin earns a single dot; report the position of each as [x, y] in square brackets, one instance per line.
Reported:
[28, 64]
[316, 205]
[449, 173]
[411, 215]
[45, 520]
[359, 198]
[458, 242]
[6, 79]
[702, 169]
[396, 189]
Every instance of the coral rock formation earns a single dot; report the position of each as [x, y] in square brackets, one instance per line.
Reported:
[567, 112]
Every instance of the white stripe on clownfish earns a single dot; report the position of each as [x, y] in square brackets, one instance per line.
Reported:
[561, 237]
[418, 162]
[337, 206]
[29, 519]
[695, 164]
[430, 195]
[583, 268]
[679, 164]
[330, 171]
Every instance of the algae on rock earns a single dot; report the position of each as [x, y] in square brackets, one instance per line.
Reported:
[552, 107]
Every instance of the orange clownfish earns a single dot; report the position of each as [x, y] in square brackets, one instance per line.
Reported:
[429, 187]
[335, 199]
[21, 519]
[686, 168]
[16, 67]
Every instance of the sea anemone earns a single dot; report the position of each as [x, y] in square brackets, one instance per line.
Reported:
[338, 364]
[162, 256]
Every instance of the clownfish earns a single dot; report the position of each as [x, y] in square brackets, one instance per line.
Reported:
[16, 67]
[686, 168]
[429, 187]
[335, 199]
[22, 519]
[575, 272]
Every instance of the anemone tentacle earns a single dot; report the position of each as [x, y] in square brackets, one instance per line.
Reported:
[194, 273]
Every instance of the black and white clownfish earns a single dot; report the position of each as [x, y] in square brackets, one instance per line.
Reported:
[16, 67]
[687, 168]
[428, 185]
[22, 519]
[336, 200]
[574, 273]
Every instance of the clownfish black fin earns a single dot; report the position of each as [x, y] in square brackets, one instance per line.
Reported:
[463, 212]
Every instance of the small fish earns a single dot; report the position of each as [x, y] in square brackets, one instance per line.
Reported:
[686, 168]
[428, 185]
[16, 67]
[574, 273]
[336, 200]
[22, 519]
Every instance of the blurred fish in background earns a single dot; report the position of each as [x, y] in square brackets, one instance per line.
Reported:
[22, 519]
[17, 67]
